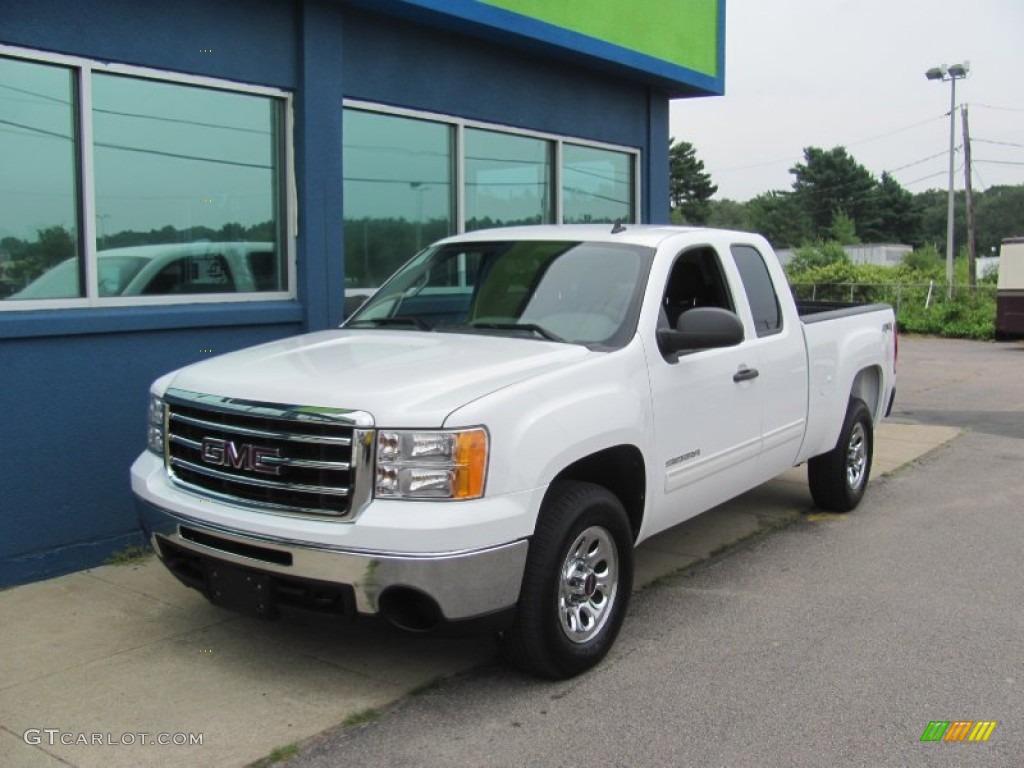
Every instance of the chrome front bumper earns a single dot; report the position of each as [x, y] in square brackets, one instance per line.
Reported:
[464, 585]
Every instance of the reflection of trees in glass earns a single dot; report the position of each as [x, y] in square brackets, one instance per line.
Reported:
[25, 260]
[375, 248]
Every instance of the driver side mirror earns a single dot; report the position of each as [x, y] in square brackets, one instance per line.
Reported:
[700, 328]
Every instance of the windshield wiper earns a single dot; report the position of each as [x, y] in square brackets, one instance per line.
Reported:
[532, 327]
[397, 320]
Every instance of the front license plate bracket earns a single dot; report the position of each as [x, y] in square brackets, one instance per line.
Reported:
[240, 590]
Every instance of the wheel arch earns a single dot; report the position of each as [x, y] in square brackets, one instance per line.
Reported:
[620, 469]
[867, 386]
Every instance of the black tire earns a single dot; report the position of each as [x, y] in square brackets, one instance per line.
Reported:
[571, 607]
[839, 478]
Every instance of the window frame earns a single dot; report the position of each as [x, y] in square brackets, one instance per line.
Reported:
[82, 69]
[460, 125]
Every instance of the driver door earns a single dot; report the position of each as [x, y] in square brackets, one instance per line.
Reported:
[707, 404]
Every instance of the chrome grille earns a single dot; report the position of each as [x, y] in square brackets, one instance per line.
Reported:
[288, 459]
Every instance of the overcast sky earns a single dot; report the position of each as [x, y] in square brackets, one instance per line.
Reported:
[851, 72]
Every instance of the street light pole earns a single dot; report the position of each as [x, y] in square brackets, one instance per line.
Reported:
[950, 254]
[952, 74]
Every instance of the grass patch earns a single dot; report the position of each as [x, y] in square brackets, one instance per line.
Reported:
[427, 687]
[277, 755]
[362, 717]
[130, 555]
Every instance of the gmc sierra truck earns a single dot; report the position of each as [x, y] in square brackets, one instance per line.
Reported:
[484, 442]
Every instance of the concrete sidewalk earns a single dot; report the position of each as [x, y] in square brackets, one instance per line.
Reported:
[126, 656]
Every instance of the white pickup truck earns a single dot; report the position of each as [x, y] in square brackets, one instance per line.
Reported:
[484, 442]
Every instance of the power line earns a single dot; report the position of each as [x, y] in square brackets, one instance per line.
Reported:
[932, 176]
[32, 128]
[916, 162]
[898, 130]
[35, 93]
[181, 121]
[846, 144]
[1000, 109]
[981, 181]
[1001, 162]
[1000, 143]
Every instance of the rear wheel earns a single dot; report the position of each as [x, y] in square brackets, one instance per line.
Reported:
[839, 478]
[577, 583]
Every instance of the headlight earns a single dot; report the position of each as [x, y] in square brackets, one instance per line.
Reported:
[449, 464]
[155, 425]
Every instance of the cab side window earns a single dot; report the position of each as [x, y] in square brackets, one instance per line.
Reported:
[205, 273]
[696, 280]
[757, 282]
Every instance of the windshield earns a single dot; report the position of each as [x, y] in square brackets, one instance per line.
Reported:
[115, 272]
[581, 293]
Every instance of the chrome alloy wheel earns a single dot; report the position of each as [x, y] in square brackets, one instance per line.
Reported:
[588, 584]
[856, 457]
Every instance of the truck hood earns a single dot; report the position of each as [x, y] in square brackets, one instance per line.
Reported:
[402, 378]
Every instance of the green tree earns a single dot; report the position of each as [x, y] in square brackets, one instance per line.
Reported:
[728, 214]
[932, 205]
[690, 187]
[899, 215]
[843, 229]
[780, 217]
[999, 213]
[810, 257]
[924, 259]
[830, 181]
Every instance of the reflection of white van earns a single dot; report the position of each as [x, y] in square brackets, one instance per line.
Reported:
[1010, 294]
[172, 269]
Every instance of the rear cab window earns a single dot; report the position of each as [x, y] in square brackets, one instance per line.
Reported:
[760, 290]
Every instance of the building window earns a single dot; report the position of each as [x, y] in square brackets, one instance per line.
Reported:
[182, 187]
[397, 191]
[38, 180]
[412, 178]
[597, 185]
[508, 180]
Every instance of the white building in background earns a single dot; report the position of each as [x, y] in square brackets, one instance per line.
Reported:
[884, 254]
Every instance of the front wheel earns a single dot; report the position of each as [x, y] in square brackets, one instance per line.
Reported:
[577, 583]
[839, 478]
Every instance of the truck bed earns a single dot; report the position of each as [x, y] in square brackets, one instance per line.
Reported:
[820, 311]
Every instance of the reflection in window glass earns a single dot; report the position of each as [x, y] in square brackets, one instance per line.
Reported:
[597, 185]
[180, 164]
[508, 180]
[397, 191]
[38, 199]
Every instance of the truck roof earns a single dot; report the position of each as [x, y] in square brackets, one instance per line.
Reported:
[636, 234]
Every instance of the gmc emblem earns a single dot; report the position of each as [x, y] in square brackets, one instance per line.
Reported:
[225, 453]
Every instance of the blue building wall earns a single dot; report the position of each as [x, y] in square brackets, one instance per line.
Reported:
[73, 383]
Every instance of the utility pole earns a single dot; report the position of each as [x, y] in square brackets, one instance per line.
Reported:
[951, 75]
[972, 269]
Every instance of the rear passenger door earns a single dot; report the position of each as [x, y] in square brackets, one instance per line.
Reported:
[781, 359]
